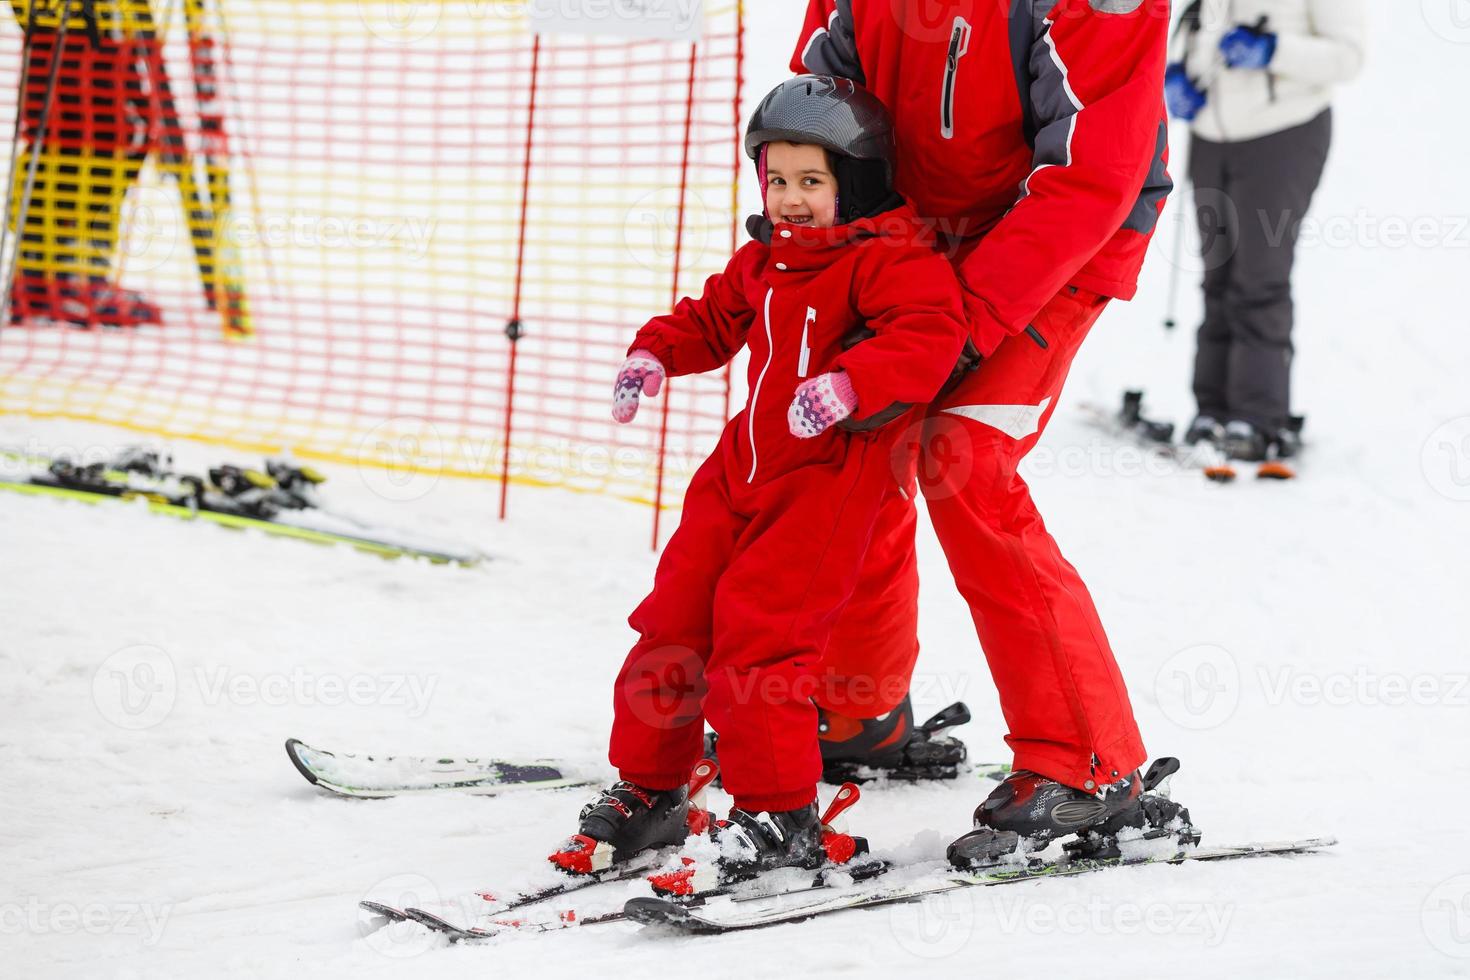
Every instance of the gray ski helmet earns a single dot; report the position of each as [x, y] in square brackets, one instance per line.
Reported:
[831, 112]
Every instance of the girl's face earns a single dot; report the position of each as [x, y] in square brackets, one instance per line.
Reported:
[800, 186]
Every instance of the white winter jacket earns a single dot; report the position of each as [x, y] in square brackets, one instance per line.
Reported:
[1319, 43]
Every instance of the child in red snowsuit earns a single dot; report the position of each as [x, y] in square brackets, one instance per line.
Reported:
[776, 521]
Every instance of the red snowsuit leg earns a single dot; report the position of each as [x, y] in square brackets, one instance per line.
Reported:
[744, 600]
[1060, 689]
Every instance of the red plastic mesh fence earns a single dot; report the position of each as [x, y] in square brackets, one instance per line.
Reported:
[342, 210]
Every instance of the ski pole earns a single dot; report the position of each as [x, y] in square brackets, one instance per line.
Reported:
[1217, 67]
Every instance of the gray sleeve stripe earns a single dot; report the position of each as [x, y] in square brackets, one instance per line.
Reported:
[1156, 186]
[832, 50]
[1055, 106]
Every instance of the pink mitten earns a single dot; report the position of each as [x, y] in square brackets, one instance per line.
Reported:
[820, 404]
[641, 373]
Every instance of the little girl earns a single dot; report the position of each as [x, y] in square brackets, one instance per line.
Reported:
[850, 318]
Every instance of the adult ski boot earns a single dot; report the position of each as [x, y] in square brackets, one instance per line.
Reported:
[859, 749]
[1027, 812]
[856, 750]
[1205, 429]
[747, 845]
[627, 820]
[1132, 419]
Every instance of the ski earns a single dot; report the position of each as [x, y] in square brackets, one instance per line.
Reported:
[231, 497]
[495, 925]
[377, 776]
[713, 918]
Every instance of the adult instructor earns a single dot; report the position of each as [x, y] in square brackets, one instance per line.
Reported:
[1032, 135]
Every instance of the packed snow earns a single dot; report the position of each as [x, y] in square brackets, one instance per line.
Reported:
[1301, 647]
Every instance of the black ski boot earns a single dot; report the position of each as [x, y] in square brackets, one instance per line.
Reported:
[627, 820]
[1245, 442]
[1206, 429]
[296, 485]
[856, 750]
[751, 844]
[1027, 812]
[1131, 418]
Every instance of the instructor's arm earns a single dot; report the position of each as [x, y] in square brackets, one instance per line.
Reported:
[1097, 95]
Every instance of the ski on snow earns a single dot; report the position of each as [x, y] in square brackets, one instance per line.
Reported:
[713, 918]
[374, 776]
[740, 907]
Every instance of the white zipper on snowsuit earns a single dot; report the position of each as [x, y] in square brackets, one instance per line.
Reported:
[756, 394]
[959, 46]
[805, 361]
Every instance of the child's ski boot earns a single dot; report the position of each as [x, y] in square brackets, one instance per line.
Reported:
[747, 845]
[627, 820]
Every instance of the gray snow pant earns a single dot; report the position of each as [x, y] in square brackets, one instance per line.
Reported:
[1250, 199]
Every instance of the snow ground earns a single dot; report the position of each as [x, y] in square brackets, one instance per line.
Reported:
[1301, 647]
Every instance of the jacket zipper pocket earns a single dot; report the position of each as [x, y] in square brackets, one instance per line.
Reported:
[756, 393]
[959, 46]
[804, 363]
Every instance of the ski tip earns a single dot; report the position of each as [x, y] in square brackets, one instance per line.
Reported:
[1275, 470]
[293, 752]
[1220, 474]
[657, 912]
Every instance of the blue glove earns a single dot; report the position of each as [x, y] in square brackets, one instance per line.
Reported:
[1184, 99]
[1247, 47]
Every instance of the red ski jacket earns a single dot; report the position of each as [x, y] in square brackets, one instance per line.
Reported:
[794, 300]
[1037, 124]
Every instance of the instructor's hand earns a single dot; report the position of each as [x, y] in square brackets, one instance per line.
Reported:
[641, 374]
[820, 404]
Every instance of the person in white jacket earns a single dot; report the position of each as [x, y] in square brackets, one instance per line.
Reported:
[1255, 78]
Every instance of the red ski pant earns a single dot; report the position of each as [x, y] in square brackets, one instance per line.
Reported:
[744, 599]
[1060, 690]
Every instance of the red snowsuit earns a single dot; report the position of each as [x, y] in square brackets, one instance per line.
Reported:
[774, 528]
[1032, 133]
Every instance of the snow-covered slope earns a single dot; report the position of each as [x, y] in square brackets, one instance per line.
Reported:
[1301, 647]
